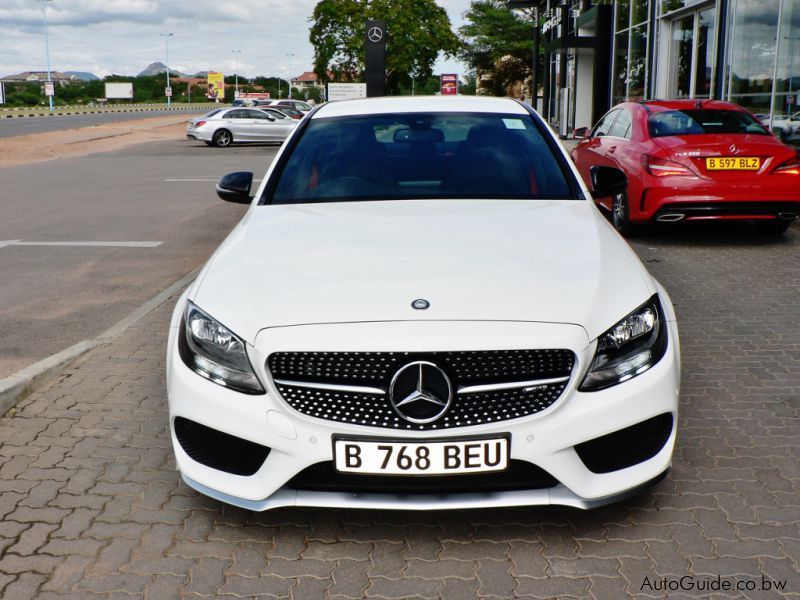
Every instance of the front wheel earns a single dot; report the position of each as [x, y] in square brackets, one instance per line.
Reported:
[222, 138]
[621, 216]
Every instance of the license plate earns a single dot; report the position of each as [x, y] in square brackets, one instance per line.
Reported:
[733, 163]
[429, 457]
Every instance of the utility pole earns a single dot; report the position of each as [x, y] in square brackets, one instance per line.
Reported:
[166, 37]
[47, 53]
[236, 73]
[291, 57]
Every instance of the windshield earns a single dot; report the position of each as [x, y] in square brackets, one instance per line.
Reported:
[212, 113]
[421, 155]
[702, 121]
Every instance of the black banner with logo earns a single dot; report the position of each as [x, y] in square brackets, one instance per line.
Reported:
[375, 58]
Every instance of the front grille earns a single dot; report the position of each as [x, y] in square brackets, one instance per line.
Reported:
[520, 475]
[301, 377]
[377, 368]
[219, 450]
[626, 447]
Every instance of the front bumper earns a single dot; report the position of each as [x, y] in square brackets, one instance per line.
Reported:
[546, 439]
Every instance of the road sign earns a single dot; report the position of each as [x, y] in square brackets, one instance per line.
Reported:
[346, 91]
[168, 92]
[49, 88]
[449, 84]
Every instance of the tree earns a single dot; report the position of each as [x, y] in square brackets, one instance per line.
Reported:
[498, 43]
[418, 31]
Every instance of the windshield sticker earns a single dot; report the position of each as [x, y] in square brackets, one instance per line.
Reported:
[514, 123]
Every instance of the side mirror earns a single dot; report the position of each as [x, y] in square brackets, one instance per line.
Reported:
[581, 133]
[607, 181]
[235, 187]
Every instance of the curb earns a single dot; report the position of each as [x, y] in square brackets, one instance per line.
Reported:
[18, 385]
[66, 111]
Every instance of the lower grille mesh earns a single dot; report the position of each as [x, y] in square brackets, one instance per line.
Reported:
[626, 447]
[520, 475]
[219, 450]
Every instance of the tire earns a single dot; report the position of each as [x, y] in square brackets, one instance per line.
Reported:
[222, 138]
[621, 216]
[771, 228]
[209, 143]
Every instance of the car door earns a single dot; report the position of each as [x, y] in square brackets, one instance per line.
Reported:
[263, 125]
[592, 150]
[282, 125]
[238, 123]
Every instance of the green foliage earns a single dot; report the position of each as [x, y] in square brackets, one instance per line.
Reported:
[498, 43]
[418, 31]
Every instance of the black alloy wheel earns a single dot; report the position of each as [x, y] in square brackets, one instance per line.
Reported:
[620, 216]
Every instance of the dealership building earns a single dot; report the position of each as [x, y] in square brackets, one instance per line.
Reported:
[597, 54]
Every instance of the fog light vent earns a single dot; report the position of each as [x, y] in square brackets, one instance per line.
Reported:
[219, 450]
[626, 447]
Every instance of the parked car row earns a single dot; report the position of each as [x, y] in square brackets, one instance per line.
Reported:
[691, 160]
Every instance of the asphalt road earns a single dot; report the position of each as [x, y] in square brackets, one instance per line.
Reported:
[30, 125]
[53, 296]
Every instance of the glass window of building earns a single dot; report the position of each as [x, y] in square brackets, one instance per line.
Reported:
[668, 6]
[787, 78]
[631, 50]
[687, 32]
[753, 36]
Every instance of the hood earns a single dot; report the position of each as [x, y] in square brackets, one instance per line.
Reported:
[495, 260]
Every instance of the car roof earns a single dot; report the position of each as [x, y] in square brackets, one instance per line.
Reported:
[411, 104]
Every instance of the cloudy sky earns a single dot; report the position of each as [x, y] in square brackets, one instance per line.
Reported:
[123, 36]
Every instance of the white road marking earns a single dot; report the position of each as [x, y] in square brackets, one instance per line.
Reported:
[83, 244]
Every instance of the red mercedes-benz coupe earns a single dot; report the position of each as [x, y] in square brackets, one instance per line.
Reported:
[689, 160]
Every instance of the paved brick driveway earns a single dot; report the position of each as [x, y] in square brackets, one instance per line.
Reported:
[91, 505]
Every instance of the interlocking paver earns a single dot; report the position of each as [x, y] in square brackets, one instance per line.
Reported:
[90, 504]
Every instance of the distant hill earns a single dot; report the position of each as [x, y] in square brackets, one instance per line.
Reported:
[83, 75]
[158, 68]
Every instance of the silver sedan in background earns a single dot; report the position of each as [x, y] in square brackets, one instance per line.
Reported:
[226, 126]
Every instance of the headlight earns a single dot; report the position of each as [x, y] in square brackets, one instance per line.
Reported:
[212, 350]
[629, 348]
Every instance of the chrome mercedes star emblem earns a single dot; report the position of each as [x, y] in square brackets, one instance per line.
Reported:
[375, 35]
[420, 392]
[420, 304]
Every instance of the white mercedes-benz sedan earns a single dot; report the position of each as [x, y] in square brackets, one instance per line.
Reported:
[423, 308]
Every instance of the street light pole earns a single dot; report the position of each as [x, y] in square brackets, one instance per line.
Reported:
[236, 73]
[166, 37]
[291, 56]
[47, 51]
